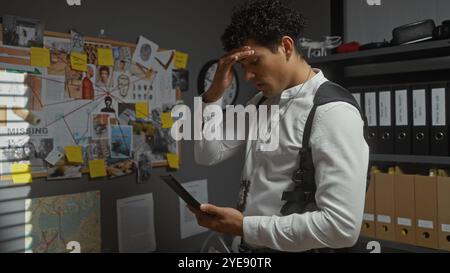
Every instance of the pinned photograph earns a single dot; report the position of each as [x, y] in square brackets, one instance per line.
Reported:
[121, 84]
[23, 32]
[64, 172]
[59, 49]
[100, 126]
[180, 79]
[122, 59]
[99, 149]
[144, 170]
[120, 168]
[110, 106]
[127, 113]
[91, 50]
[104, 75]
[144, 52]
[121, 141]
[88, 92]
[73, 82]
[76, 41]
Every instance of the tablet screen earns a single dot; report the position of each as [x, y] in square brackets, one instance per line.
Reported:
[181, 191]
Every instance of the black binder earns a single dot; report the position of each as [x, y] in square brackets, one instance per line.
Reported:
[371, 111]
[421, 119]
[403, 120]
[385, 121]
[439, 119]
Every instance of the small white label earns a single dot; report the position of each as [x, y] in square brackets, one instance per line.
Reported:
[438, 110]
[357, 97]
[425, 224]
[401, 107]
[404, 222]
[369, 217]
[385, 108]
[384, 219]
[371, 110]
[419, 107]
[445, 228]
[54, 156]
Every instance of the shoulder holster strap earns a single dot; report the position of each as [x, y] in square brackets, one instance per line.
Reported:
[304, 190]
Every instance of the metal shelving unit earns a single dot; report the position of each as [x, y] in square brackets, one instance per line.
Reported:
[423, 62]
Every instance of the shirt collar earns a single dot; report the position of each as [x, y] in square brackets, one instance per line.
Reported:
[304, 89]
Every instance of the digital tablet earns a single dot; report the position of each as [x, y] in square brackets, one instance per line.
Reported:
[181, 191]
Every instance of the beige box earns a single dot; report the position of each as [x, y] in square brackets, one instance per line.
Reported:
[384, 207]
[443, 192]
[426, 211]
[405, 220]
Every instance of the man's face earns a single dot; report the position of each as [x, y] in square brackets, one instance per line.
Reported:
[104, 76]
[267, 70]
[90, 72]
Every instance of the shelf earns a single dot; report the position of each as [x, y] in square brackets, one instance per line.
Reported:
[389, 246]
[425, 49]
[436, 160]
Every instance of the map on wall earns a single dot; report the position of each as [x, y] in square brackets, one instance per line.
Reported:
[57, 221]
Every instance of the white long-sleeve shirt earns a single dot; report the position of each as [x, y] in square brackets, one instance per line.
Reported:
[340, 156]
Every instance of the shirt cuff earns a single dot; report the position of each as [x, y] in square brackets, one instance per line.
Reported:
[219, 103]
[251, 231]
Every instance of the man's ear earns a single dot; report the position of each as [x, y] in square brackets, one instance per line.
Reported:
[287, 47]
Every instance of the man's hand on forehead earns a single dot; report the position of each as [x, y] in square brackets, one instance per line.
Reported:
[239, 54]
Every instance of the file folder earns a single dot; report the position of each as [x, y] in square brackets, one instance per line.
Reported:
[368, 224]
[370, 106]
[384, 207]
[386, 121]
[405, 220]
[444, 212]
[439, 119]
[421, 120]
[403, 120]
[426, 211]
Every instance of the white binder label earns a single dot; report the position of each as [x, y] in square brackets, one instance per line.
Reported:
[419, 107]
[425, 224]
[385, 108]
[404, 222]
[371, 110]
[357, 97]
[369, 217]
[445, 228]
[438, 110]
[384, 219]
[401, 107]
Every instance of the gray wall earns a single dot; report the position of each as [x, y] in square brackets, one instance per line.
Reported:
[365, 24]
[191, 26]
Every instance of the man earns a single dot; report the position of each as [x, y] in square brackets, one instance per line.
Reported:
[108, 106]
[88, 87]
[263, 38]
[103, 81]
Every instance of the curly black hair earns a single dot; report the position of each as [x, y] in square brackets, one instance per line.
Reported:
[264, 21]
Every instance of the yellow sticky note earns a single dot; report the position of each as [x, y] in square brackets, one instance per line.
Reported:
[21, 173]
[74, 154]
[166, 120]
[181, 60]
[142, 110]
[174, 161]
[105, 57]
[40, 57]
[97, 168]
[78, 61]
